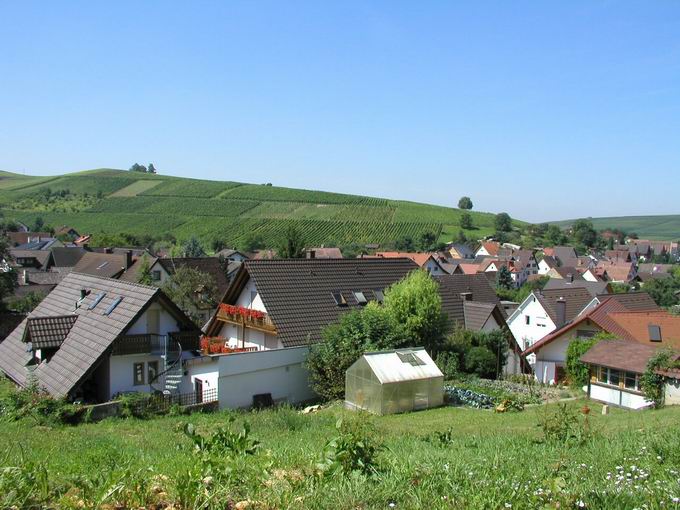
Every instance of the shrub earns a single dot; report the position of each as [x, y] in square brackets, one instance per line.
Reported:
[354, 449]
[224, 441]
[448, 364]
[481, 361]
[565, 424]
[651, 383]
[35, 403]
[135, 405]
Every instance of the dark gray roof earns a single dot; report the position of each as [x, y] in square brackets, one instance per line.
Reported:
[576, 300]
[477, 314]
[452, 286]
[45, 277]
[594, 288]
[42, 257]
[106, 265]
[89, 337]
[564, 254]
[208, 265]
[297, 294]
[565, 271]
[67, 257]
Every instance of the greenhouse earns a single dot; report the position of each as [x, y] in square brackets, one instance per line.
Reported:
[390, 382]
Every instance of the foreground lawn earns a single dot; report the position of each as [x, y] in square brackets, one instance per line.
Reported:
[623, 460]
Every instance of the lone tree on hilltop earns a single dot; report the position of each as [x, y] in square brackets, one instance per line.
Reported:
[465, 203]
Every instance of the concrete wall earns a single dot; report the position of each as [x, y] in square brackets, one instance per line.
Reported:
[279, 372]
[206, 369]
[121, 373]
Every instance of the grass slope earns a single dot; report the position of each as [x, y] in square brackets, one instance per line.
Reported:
[490, 461]
[117, 201]
[662, 227]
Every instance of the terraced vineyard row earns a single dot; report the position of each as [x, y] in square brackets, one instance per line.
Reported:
[309, 211]
[184, 207]
[190, 188]
[278, 194]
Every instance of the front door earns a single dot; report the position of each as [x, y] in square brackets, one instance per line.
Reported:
[198, 389]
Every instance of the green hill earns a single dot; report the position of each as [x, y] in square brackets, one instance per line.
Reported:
[661, 228]
[117, 201]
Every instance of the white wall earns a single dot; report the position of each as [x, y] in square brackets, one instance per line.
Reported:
[672, 392]
[279, 372]
[543, 267]
[167, 322]
[205, 368]
[617, 396]
[249, 298]
[540, 323]
[545, 371]
[121, 370]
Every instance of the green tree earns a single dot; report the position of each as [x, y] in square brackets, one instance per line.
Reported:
[610, 243]
[293, 245]
[27, 303]
[504, 279]
[145, 271]
[461, 237]
[427, 241]
[663, 290]
[358, 331]
[151, 169]
[584, 233]
[39, 224]
[405, 244]
[416, 305]
[503, 222]
[577, 371]
[465, 203]
[251, 242]
[193, 248]
[191, 290]
[466, 221]
[489, 357]
[554, 236]
[481, 362]
[8, 279]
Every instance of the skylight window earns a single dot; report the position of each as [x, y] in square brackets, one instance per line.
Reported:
[379, 296]
[103, 265]
[359, 296]
[113, 306]
[339, 298]
[410, 358]
[654, 333]
[97, 300]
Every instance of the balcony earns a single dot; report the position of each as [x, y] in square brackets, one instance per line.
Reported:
[246, 317]
[219, 345]
[150, 343]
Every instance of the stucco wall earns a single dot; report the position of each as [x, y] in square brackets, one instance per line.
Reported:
[540, 324]
[617, 397]
[279, 372]
[121, 369]
[672, 392]
[167, 322]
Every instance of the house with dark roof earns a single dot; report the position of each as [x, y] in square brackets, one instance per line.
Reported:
[542, 312]
[295, 299]
[323, 253]
[601, 315]
[67, 257]
[162, 269]
[106, 265]
[428, 261]
[470, 302]
[460, 251]
[93, 338]
[594, 288]
[19, 238]
[39, 260]
[546, 264]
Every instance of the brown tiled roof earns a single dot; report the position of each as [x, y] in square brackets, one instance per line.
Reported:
[134, 273]
[565, 271]
[477, 314]
[208, 265]
[616, 271]
[576, 300]
[106, 265]
[45, 277]
[600, 315]
[419, 258]
[452, 286]
[43, 257]
[620, 354]
[89, 337]
[635, 326]
[324, 253]
[45, 332]
[17, 238]
[297, 293]
[550, 261]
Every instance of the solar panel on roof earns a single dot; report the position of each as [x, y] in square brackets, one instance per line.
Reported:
[113, 306]
[97, 300]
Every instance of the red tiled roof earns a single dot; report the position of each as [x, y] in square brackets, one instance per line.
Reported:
[419, 258]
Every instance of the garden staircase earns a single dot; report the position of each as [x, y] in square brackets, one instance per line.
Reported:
[167, 381]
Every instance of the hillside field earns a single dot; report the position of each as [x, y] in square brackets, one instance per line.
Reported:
[659, 228]
[447, 458]
[118, 201]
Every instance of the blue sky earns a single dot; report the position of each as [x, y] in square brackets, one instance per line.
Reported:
[546, 110]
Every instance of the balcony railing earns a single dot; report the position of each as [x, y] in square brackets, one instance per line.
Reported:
[246, 317]
[150, 343]
[219, 345]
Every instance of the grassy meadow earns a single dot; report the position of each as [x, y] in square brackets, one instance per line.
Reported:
[455, 458]
[116, 201]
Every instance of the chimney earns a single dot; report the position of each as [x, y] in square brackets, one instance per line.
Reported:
[24, 278]
[83, 293]
[570, 278]
[128, 259]
[312, 254]
[466, 296]
[108, 250]
[561, 312]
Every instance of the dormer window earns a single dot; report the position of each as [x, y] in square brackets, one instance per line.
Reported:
[339, 298]
[360, 297]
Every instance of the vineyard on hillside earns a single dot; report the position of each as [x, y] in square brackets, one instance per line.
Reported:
[120, 202]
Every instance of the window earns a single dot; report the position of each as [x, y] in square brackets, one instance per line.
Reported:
[138, 370]
[527, 320]
[602, 374]
[156, 275]
[614, 377]
[359, 296]
[339, 298]
[152, 370]
[96, 301]
[654, 333]
[113, 306]
[631, 382]
[584, 333]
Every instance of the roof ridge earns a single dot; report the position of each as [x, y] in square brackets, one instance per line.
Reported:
[105, 278]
